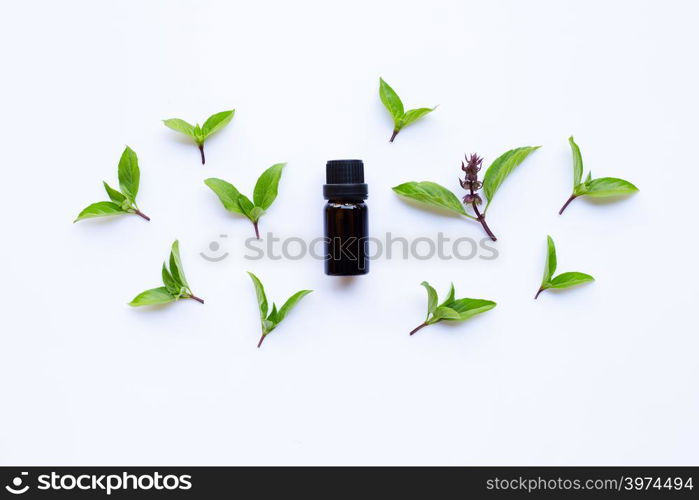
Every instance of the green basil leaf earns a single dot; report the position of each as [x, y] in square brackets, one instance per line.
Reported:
[180, 126]
[577, 162]
[443, 312]
[566, 280]
[255, 213]
[198, 135]
[390, 99]
[290, 304]
[176, 268]
[152, 297]
[248, 208]
[216, 122]
[273, 315]
[502, 167]
[129, 174]
[175, 272]
[467, 308]
[172, 286]
[114, 195]
[100, 209]
[551, 262]
[267, 186]
[227, 193]
[607, 186]
[267, 326]
[431, 298]
[450, 296]
[261, 297]
[431, 194]
[413, 115]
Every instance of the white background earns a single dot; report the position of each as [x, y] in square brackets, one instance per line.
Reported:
[602, 374]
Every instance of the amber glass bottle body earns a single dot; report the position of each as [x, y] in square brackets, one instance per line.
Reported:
[346, 237]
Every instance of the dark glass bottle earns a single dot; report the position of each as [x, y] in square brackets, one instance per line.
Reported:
[346, 219]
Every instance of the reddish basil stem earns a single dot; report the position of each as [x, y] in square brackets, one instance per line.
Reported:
[537, 293]
[141, 214]
[201, 301]
[261, 340]
[395, 133]
[257, 230]
[423, 325]
[565, 205]
[481, 217]
[201, 150]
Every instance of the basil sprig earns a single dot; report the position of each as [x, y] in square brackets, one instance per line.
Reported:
[124, 201]
[451, 309]
[603, 187]
[270, 319]
[437, 196]
[176, 286]
[263, 195]
[198, 133]
[563, 280]
[394, 105]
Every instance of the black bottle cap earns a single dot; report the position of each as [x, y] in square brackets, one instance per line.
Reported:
[345, 180]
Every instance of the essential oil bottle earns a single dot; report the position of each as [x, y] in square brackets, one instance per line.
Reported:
[346, 219]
